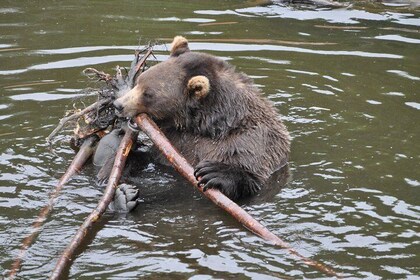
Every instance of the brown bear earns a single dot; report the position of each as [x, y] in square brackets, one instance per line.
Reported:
[214, 116]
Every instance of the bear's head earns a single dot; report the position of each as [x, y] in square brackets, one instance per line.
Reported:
[166, 89]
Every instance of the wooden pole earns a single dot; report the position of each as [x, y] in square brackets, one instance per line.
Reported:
[66, 258]
[186, 170]
[85, 151]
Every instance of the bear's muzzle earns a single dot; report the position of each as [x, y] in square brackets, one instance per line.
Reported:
[119, 108]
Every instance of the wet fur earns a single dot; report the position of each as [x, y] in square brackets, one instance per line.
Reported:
[233, 135]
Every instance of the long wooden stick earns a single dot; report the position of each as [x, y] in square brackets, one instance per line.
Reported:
[66, 257]
[185, 169]
[85, 151]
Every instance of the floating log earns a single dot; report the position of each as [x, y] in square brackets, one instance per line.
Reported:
[85, 151]
[186, 170]
[66, 258]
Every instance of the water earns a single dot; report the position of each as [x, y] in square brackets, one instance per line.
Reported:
[346, 80]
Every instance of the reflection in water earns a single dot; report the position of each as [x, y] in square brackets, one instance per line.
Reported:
[404, 74]
[345, 80]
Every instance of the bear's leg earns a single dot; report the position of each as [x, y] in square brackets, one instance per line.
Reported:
[104, 156]
[232, 181]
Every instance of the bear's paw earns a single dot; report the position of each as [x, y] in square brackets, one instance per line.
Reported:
[231, 180]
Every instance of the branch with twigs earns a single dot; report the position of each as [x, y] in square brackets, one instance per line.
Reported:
[100, 115]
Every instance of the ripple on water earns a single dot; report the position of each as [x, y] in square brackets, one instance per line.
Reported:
[374, 102]
[10, 10]
[81, 61]
[404, 74]
[75, 50]
[334, 88]
[229, 47]
[358, 219]
[394, 93]
[330, 78]
[398, 38]
[42, 96]
[12, 72]
[414, 105]
[288, 193]
[323, 91]
[342, 16]
[302, 72]
[128, 232]
[412, 182]
[176, 19]
[272, 61]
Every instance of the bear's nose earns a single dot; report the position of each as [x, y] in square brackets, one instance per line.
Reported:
[118, 106]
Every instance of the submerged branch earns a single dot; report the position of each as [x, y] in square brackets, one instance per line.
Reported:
[86, 150]
[186, 170]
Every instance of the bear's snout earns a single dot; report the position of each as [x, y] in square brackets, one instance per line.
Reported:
[118, 107]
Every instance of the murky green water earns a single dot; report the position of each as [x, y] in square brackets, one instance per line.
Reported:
[346, 80]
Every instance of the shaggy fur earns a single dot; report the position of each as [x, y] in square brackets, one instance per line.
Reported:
[216, 118]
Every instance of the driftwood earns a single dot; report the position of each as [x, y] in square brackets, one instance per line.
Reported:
[186, 170]
[85, 151]
[67, 256]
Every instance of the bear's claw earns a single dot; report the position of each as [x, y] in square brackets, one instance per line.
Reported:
[125, 199]
[232, 181]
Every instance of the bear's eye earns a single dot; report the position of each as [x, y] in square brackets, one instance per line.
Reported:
[147, 94]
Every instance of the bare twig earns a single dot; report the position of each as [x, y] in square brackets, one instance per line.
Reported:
[67, 256]
[75, 116]
[86, 150]
[142, 61]
[102, 76]
[185, 169]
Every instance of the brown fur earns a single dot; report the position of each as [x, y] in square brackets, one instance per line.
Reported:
[215, 116]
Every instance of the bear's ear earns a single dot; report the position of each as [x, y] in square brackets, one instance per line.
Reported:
[199, 86]
[179, 46]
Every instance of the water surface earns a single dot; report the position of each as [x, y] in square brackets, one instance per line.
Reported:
[346, 81]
